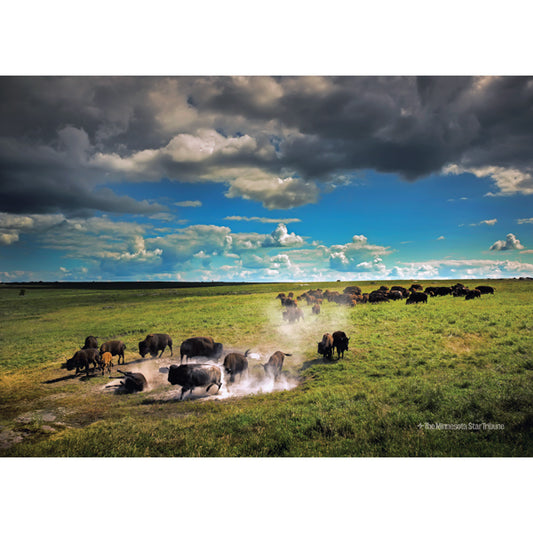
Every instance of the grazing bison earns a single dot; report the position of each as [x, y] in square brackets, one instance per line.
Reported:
[459, 291]
[443, 291]
[315, 309]
[200, 347]
[340, 343]
[416, 287]
[133, 382]
[352, 290]
[377, 297]
[155, 342]
[194, 375]
[485, 289]
[417, 297]
[274, 365]
[325, 346]
[90, 342]
[403, 290]
[115, 347]
[471, 294]
[395, 295]
[83, 359]
[236, 363]
[106, 362]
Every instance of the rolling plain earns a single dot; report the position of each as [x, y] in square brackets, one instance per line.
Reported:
[450, 378]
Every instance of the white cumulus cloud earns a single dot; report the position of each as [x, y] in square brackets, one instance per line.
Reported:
[510, 243]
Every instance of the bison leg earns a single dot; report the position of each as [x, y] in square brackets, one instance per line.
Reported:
[217, 383]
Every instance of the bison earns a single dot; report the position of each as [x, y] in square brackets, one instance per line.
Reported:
[340, 343]
[115, 347]
[133, 382]
[325, 346]
[90, 342]
[471, 294]
[236, 363]
[106, 362]
[83, 358]
[315, 309]
[377, 297]
[485, 289]
[352, 290]
[417, 297]
[200, 347]
[194, 375]
[274, 365]
[293, 314]
[155, 342]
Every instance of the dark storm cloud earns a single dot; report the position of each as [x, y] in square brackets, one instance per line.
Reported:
[64, 140]
[409, 126]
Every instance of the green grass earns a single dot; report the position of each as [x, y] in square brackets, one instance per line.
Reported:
[450, 362]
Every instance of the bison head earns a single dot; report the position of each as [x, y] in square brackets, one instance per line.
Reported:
[143, 348]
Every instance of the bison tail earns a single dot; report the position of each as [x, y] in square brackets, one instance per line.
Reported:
[289, 354]
[247, 352]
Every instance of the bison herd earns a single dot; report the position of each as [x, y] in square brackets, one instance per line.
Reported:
[353, 295]
[190, 375]
[187, 375]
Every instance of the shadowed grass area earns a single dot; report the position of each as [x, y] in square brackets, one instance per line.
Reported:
[449, 361]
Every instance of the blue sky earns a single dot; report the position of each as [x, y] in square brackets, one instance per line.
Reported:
[265, 179]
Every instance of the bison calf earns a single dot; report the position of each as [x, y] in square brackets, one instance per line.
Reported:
[106, 362]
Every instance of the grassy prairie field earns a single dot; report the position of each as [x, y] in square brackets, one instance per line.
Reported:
[451, 378]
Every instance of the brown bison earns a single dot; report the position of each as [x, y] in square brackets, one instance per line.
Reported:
[155, 342]
[90, 342]
[115, 347]
[340, 343]
[83, 359]
[274, 365]
[417, 297]
[325, 346]
[194, 375]
[133, 382]
[352, 290]
[293, 314]
[236, 364]
[106, 362]
[201, 347]
[315, 309]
